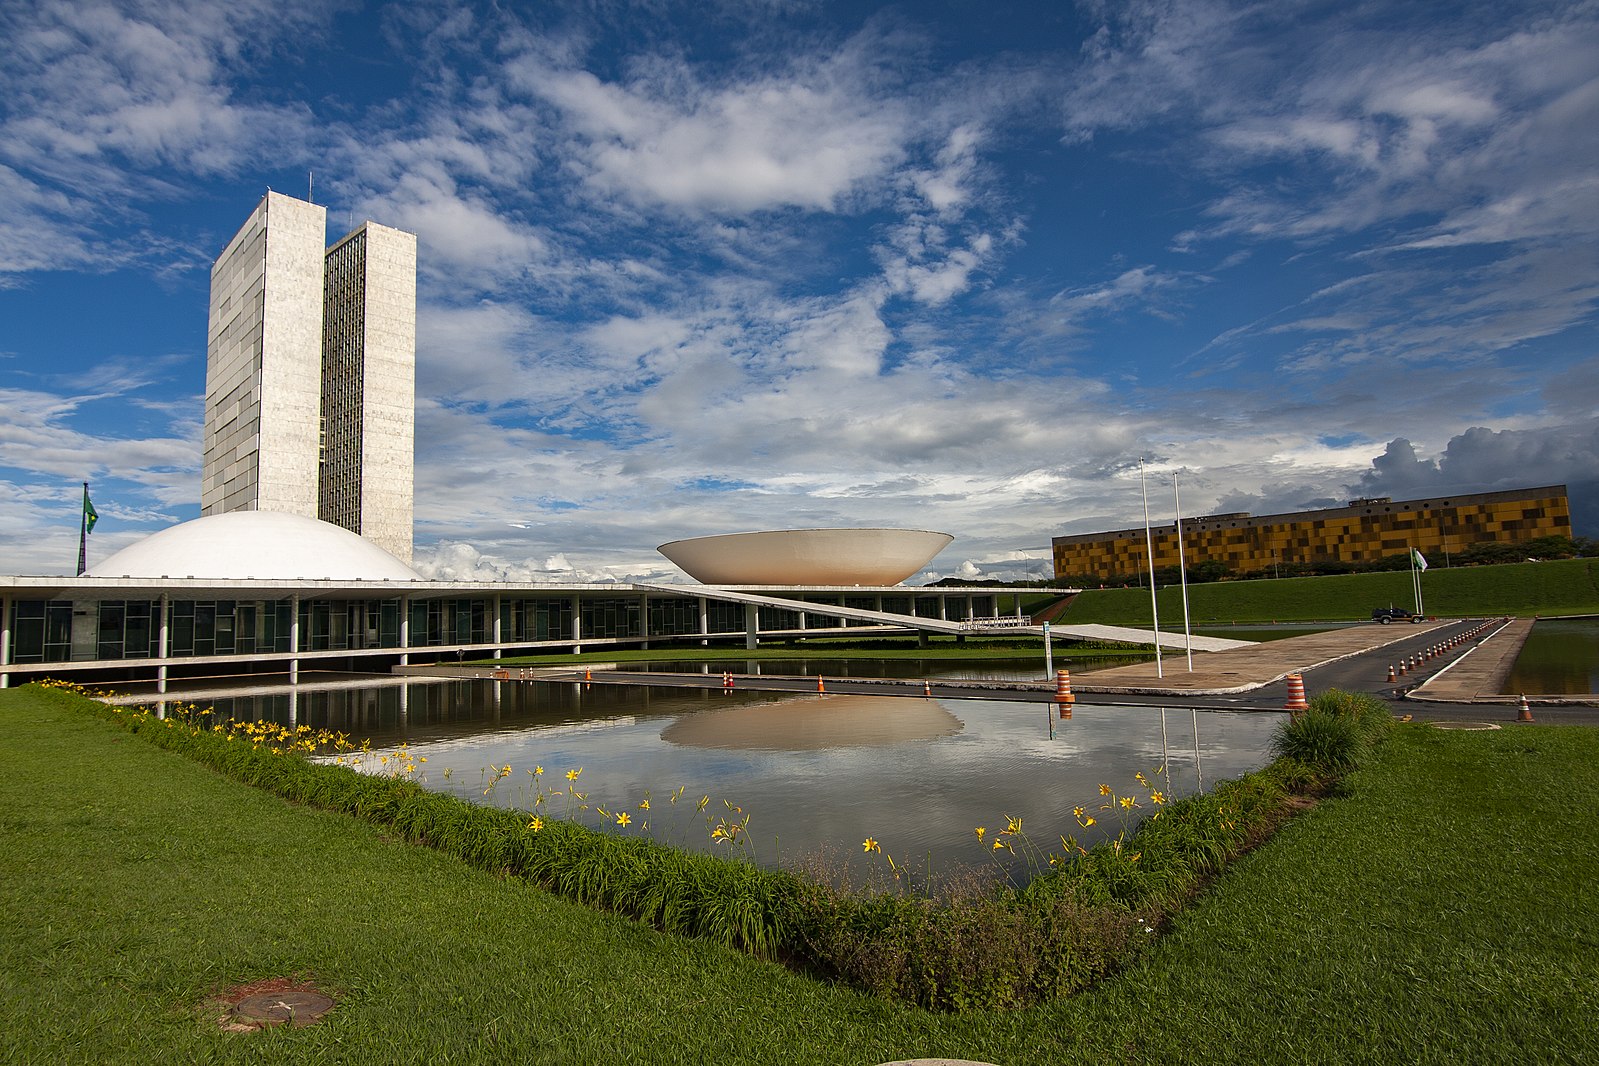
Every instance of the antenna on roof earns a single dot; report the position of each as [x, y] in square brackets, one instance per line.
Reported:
[309, 186]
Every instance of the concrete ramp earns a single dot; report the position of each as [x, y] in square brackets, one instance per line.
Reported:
[969, 627]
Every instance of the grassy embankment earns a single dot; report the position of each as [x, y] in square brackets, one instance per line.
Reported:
[1433, 912]
[1556, 587]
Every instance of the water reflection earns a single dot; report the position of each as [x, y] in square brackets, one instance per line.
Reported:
[1560, 657]
[814, 773]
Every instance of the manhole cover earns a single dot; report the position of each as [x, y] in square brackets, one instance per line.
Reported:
[272, 1001]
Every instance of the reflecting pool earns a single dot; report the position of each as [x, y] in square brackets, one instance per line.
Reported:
[1561, 657]
[815, 774]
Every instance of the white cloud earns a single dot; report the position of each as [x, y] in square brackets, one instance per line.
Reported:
[811, 136]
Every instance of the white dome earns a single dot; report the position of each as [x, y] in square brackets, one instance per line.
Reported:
[807, 556]
[267, 545]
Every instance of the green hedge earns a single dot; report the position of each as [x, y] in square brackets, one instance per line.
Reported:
[1079, 919]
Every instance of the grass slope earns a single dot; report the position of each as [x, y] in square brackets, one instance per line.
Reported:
[1564, 586]
[1434, 914]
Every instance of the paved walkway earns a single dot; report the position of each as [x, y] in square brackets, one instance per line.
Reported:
[1245, 669]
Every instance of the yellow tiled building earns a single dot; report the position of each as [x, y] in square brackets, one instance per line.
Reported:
[1364, 531]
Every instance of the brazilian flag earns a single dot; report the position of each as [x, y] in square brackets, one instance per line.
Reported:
[90, 515]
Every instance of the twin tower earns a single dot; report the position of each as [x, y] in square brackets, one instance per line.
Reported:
[310, 388]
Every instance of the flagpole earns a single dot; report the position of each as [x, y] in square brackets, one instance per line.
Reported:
[1182, 568]
[1416, 566]
[1149, 546]
[83, 531]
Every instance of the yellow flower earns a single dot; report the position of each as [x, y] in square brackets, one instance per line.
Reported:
[536, 824]
[1077, 812]
[571, 775]
[870, 845]
[1127, 803]
[1001, 844]
[1013, 825]
[1157, 797]
[1087, 822]
[980, 831]
[624, 819]
[1139, 777]
[1104, 790]
[644, 805]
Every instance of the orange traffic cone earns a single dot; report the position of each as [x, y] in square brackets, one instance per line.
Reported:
[1063, 687]
[927, 687]
[1525, 714]
[819, 686]
[1296, 694]
[727, 679]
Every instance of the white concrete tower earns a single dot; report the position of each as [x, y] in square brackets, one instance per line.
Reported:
[310, 374]
[263, 363]
[369, 386]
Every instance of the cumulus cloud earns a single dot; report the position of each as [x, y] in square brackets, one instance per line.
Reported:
[808, 137]
[1487, 460]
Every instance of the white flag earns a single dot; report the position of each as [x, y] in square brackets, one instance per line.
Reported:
[1421, 560]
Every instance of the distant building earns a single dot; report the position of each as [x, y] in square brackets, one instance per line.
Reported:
[1364, 531]
[310, 374]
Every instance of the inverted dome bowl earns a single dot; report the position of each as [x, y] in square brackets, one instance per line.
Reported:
[807, 556]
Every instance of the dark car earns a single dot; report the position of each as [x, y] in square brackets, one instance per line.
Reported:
[1393, 614]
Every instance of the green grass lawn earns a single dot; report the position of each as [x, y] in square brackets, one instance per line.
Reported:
[1437, 912]
[1564, 586]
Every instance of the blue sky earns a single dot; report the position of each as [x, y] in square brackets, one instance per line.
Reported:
[692, 268]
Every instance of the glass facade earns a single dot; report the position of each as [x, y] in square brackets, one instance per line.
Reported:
[85, 629]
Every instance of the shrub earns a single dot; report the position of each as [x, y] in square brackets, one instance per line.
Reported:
[1337, 733]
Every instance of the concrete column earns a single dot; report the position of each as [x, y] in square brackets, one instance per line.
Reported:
[294, 640]
[405, 629]
[162, 633]
[499, 653]
[705, 621]
[751, 626]
[577, 624]
[5, 640]
[644, 619]
[943, 607]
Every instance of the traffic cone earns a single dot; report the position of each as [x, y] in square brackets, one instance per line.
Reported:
[588, 675]
[1525, 714]
[819, 686]
[727, 679]
[927, 687]
[1392, 677]
[1296, 694]
[1063, 687]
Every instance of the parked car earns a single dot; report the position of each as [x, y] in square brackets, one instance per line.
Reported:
[1393, 614]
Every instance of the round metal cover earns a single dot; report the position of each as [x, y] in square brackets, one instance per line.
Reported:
[295, 1007]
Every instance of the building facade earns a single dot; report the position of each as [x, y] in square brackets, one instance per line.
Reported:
[1364, 531]
[121, 628]
[310, 373]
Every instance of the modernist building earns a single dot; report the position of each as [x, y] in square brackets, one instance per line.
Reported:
[310, 374]
[1364, 531]
[269, 591]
